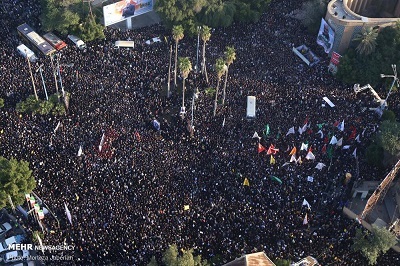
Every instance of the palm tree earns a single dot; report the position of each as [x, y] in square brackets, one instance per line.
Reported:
[220, 68]
[177, 34]
[230, 56]
[185, 67]
[205, 36]
[367, 40]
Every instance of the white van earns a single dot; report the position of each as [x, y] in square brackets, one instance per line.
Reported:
[27, 53]
[251, 107]
[78, 42]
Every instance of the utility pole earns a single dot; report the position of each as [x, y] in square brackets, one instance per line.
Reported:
[54, 72]
[59, 75]
[32, 79]
[44, 84]
[169, 71]
[197, 51]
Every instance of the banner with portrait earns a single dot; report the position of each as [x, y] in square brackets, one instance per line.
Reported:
[326, 36]
[125, 9]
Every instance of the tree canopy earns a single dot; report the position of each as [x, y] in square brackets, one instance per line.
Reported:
[372, 244]
[173, 257]
[15, 180]
[214, 13]
[389, 137]
[358, 67]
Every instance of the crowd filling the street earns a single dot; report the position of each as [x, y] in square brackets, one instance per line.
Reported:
[146, 188]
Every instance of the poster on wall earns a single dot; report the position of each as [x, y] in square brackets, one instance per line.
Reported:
[326, 36]
[125, 9]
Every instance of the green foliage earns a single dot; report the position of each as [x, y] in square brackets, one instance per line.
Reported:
[90, 30]
[185, 66]
[372, 244]
[366, 40]
[282, 262]
[311, 13]
[389, 137]
[58, 15]
[1, 102]
[214, 13]
[210, 91]
[171, 257]
[42, 107]
[357, 68]
[375, 155]
[15, 180]
[36, 235]
[388, 115]
[153, 262]
[220, 67]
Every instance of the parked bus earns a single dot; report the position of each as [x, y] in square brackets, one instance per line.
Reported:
[31, 37]
[56, 42]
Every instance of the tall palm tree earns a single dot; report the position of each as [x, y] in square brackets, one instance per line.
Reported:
[177, 34]
[367, 40]
[230, 56]
[220, 68]
[205, 36]
[185, 67]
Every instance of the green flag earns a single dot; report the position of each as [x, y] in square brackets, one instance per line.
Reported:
[266, 130]
[320, 125]
[330, 152]
[276, 179]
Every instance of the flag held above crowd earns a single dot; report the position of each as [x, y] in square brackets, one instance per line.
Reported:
[156, 124]
[272, 160]
[310, 156]
[339, 142]
[246, 182]
[274, 178]
[80, 151]
[261, 148]
[290, 131]
[304, 146]
[333, 140]
[272, 150]
[305, 203]
[68, 213]
[319, 166]
[255, 135]
[293, 151]
[341, 126]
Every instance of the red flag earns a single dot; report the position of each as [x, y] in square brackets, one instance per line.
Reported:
[353, 134]
[306, 121]
[272, 150]
[324, 149]
[310, 149]
[336, 123]
[326, 140]
[261, 148]
[293, 151]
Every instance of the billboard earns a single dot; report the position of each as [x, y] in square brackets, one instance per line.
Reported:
[326, 36]
[124, 9]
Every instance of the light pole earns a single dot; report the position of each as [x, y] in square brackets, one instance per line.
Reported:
[54, 72]
[44, 85]
[195, 96]
[33, 81]
[169, 72]
[395, 79]
[59, 75]
[197, 51]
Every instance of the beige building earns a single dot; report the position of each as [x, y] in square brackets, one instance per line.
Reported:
[348, 17]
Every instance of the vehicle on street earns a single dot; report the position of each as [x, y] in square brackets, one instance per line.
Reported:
[77, 41]
[5, 243]
[16, 255]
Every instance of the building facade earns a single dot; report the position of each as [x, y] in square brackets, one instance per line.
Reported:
[348, 17]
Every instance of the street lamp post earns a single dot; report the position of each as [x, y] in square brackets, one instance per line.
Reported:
[395, 79]
[54, 72]
[197, 51]
[44, 84]
[195, 96]
[59, 75]
[169, 72]
[32, 79]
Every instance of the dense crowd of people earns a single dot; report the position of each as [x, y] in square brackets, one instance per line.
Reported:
[127, 199]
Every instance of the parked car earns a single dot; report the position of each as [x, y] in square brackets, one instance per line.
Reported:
[5, 243]
[16, 255]
[5, 228]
